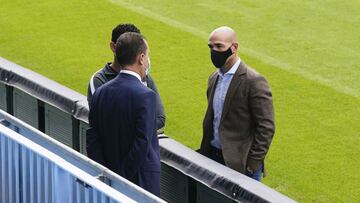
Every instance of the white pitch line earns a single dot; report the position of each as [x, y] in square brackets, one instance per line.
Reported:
[252, 53]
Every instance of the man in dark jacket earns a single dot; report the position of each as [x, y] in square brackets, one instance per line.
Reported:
[122, 134]
[111, 70]
[239, 123]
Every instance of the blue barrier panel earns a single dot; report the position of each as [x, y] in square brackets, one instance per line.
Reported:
[30, 173]
[68, 155]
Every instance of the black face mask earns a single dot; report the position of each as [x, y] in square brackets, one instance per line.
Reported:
[219, 58]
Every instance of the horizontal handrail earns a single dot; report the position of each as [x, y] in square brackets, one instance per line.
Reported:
[217, 176]
[44, 89]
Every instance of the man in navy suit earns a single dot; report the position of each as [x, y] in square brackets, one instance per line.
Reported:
[122, 134]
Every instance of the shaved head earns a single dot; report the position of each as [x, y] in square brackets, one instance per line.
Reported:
[223, 34]
[222, 38]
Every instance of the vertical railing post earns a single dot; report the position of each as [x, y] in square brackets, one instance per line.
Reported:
[9, 99]
[76, 133]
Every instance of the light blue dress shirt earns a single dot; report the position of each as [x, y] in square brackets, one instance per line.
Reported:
[221, 89]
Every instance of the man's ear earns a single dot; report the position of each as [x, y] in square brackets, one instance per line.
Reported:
[235, 47]
[142, 59]
[113, 47]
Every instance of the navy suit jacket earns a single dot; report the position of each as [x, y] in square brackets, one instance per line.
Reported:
[122, 134]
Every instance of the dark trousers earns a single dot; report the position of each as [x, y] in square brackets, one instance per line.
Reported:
[216, 155]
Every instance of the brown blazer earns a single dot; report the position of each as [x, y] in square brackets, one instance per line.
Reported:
[247, 122]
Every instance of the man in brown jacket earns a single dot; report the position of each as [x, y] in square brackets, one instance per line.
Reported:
[239, 122]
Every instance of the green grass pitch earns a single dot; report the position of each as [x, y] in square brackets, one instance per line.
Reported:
[308, 50]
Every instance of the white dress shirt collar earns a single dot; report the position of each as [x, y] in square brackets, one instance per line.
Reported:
[132, 73]
[232, 69]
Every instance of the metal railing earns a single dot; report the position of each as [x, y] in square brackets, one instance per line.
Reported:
[61, 113]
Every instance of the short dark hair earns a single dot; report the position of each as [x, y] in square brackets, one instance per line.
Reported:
[121, 29]
[128, 47]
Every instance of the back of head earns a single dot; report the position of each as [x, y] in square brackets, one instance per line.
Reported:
[128, 47]
[121, 29]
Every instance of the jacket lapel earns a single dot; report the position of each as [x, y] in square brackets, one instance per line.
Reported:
[234, 84]
[212, 86]
[207, 123]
